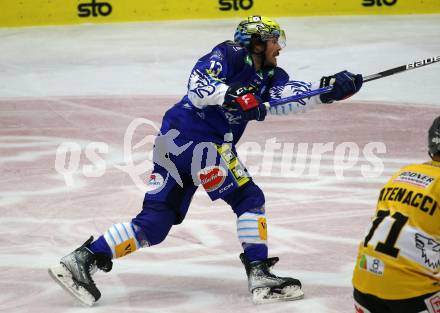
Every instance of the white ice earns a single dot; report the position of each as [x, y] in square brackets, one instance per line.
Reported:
[315, 222]
[155, 58]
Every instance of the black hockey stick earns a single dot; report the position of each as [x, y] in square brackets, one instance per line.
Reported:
[320, 91]
[402, 68]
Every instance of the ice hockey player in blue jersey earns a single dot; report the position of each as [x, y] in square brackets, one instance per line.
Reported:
[226, 90]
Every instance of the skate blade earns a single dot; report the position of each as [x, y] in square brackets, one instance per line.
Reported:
[62, 276]
[266, 295]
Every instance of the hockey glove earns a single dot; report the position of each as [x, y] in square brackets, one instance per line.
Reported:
[345, 84]
[246, 103]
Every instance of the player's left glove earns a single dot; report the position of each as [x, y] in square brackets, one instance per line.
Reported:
[249, 105]
[345, 84]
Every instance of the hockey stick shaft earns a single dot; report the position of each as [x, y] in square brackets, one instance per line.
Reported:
[320, 91]
[402, 68]
[297, 97]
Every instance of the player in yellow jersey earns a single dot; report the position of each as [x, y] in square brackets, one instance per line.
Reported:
[398, 263]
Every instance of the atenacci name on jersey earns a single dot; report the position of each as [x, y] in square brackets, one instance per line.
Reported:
[417, 200]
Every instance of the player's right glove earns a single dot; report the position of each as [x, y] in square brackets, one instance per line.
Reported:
[240, 99]
[345, 84]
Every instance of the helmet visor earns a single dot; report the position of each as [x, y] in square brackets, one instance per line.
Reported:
[276, 36]
[282, 39]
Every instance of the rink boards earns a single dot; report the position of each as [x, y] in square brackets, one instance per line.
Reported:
[42, 12]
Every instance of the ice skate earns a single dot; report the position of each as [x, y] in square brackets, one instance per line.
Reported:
[267, 287]
[74, 273]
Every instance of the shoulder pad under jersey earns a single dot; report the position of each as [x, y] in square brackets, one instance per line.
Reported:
[231, 49]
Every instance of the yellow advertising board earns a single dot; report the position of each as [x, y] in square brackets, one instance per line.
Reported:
[59, 12]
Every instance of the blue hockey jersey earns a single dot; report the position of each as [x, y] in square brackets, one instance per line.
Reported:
[200, 117]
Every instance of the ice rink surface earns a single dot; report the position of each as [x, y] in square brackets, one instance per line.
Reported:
[87, 84]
